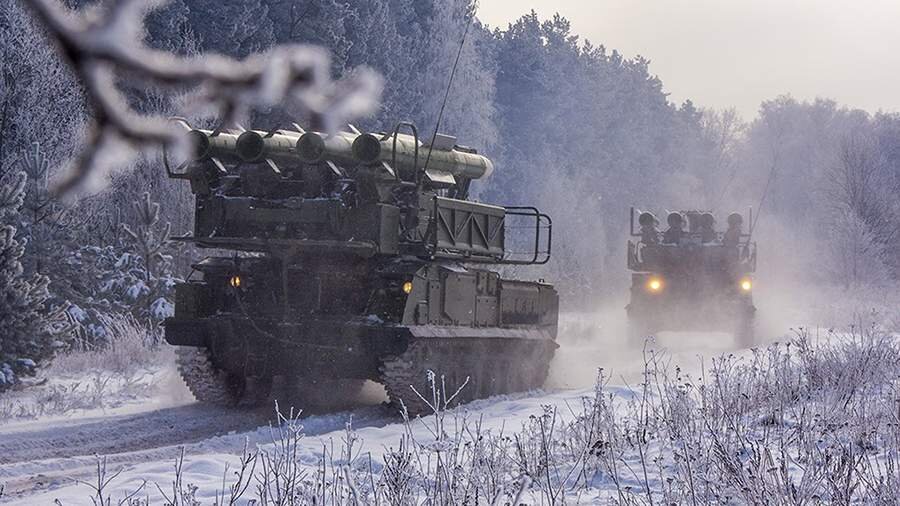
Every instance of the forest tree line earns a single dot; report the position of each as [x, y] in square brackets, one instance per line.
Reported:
[573, 127]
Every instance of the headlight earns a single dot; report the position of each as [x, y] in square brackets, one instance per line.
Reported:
[407, 287]
[746, 284]
[235, 281]
[654, 284]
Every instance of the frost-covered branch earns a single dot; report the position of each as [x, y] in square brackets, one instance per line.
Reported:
[102, 48]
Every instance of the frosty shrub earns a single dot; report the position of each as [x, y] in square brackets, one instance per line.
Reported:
[26, 337]
[810, 421]
[131, 348]
[89, 376]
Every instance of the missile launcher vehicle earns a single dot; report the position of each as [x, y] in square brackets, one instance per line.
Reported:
[693, 278]
[354, 256]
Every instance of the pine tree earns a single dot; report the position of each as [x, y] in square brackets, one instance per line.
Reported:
[25, 337]
[131, 275]
[148, 240]
[40, 215]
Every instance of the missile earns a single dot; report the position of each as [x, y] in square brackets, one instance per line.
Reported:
[370, 149]
[344, 149]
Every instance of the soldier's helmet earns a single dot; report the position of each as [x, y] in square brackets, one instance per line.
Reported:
[735, 220]
[675, 220]
[647, 220]
[707, 220]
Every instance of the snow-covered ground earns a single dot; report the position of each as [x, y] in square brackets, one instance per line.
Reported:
[377, 427]
[55, 456]
[704, 424]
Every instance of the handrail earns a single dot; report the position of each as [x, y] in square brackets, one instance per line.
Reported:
[539, 216]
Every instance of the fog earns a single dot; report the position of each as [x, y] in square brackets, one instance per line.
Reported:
[738, 53]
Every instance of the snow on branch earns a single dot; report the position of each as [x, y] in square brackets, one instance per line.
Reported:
[101, 48]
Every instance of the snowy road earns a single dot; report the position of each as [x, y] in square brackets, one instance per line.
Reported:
[127, 433]
[37, 456]
[41, 457]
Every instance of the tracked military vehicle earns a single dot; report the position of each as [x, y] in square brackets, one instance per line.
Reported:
[355, 256]
[694, 278]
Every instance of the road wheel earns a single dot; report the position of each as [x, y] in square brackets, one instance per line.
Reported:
[209, 384]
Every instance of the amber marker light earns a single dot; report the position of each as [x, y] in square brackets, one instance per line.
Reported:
[407, 287]
[235, 281]
[654, 285]
[746, 284]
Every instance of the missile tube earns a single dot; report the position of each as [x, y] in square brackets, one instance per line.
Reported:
[369, 149]
[317, 147]
[256, 146]
[207, 145]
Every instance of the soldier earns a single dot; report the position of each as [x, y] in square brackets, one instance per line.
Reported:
[649, 232]
[676, 229]
[707, 228]
[732, 236]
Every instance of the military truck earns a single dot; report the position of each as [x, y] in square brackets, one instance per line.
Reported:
[351, 256]
[691, 276]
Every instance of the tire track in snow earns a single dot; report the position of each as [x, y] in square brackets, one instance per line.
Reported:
[124, 433]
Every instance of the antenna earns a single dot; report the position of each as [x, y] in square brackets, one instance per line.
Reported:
[449, 84]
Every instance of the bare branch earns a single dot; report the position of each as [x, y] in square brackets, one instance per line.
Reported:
[100, 49]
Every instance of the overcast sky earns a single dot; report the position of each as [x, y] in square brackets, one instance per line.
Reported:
[723, 53]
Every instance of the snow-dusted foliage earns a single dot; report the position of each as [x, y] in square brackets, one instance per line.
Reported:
[237, 29]
[100, 49]
[40, 99]
[148, 241]
[809, 421]
[43, 224]
[133, 277]
[126, 369]
[25, 334]
[831, 174]
[585, 133]
[109, 280]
